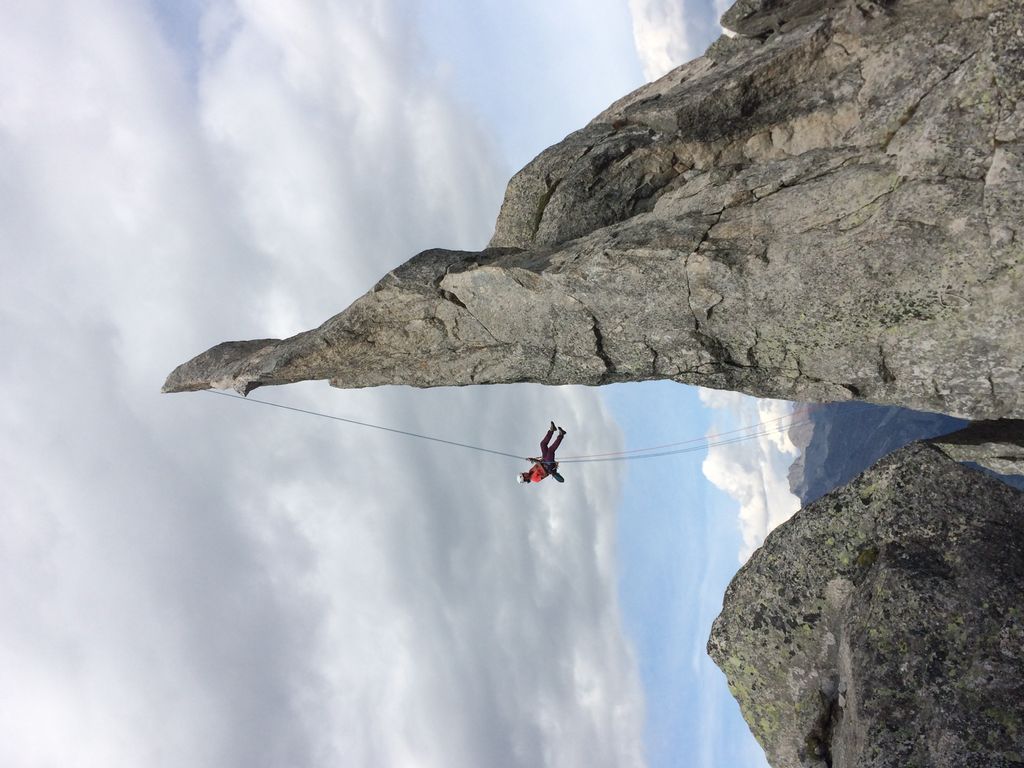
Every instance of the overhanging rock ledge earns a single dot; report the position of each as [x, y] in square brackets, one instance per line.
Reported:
[828, 206]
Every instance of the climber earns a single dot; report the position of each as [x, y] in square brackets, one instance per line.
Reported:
[546, 464]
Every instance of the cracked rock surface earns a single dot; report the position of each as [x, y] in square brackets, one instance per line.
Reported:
[828, 206]
[882, 626]
[996, 445]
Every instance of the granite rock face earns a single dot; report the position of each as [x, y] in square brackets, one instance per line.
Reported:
[883, 625]
[828, 206]
[996, 445]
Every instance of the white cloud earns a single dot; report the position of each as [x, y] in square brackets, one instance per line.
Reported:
[668, 33]
[317, 118]
[660, 35]
[193, 581]
[753, 471]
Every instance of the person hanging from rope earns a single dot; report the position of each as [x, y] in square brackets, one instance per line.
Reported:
[545, 465]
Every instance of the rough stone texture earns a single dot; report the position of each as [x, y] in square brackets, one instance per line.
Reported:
[828, 209]
[995, 445]
[883, 625]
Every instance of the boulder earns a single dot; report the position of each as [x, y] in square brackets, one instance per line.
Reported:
[883, 625]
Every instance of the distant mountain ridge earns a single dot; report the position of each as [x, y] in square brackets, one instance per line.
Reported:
[838, 441]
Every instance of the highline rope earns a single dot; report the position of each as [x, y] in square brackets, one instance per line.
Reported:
[692, 445]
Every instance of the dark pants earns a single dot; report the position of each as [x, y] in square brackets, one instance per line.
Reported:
[547, 452]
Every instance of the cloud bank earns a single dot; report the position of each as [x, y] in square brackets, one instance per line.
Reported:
[753, 472]
[668, 33]
[190, 581]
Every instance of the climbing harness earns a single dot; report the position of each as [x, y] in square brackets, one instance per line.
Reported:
[692, 445]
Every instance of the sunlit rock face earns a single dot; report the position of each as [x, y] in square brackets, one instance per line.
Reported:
[882, 626]
[827, 206]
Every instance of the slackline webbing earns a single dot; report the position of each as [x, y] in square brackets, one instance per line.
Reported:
[692, 445]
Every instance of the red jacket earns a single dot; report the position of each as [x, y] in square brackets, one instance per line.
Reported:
[538, 473]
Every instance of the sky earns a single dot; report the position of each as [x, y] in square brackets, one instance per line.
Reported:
[191, 581]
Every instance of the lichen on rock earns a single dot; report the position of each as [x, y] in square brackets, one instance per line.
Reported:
[883, 625]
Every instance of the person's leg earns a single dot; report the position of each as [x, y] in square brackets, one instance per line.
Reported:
[558, 442]
[547, 439]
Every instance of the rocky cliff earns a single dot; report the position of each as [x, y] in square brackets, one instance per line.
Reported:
[883, 625]
[827, 206]
[998, 446]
